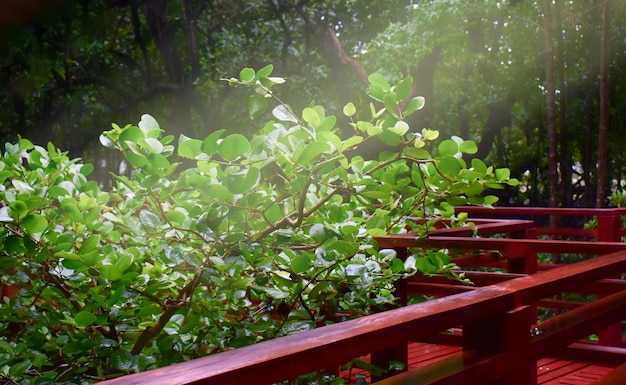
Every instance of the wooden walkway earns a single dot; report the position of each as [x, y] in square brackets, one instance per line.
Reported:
[550, 371]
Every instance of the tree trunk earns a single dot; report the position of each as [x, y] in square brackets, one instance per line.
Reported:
[604, 110]
[565, 162]
[550, 107]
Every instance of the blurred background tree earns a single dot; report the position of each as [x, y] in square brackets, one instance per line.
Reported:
[69, 69]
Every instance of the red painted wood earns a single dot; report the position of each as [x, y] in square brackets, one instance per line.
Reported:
[615, 377]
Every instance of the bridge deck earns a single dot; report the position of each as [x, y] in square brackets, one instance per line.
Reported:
[550, 371]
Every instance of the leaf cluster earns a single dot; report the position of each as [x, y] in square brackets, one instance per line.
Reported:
[218, 242]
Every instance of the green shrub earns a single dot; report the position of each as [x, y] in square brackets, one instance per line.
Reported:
[216, 243]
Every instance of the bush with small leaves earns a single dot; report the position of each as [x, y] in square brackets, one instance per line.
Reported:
[215, 243]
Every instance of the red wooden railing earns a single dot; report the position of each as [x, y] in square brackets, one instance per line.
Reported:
[496, 320]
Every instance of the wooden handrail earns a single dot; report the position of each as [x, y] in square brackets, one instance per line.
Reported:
[287, 357]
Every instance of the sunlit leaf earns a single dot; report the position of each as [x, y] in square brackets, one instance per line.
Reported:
[246, 75]
[282, 113]
[233, 146]
[189, 148]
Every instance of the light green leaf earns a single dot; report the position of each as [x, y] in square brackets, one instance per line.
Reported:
[130, 134]
[349, 109]
[400, 128]
[448, 147]
[479, 166]
[311, 152]
[91, 243]
[311, 116]
[246, 75]
[416, 103]
[379, 80]
[503, 174]
[233, 146]
[176, 217]
[264, 72]
[468, 147]
[189, 148]
[210, 144]
[158, 161]
[428, 134]
[403, 88]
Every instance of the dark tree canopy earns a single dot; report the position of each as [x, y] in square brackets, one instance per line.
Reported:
[72, 68]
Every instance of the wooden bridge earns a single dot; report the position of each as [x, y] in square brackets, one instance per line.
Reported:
[489, 333]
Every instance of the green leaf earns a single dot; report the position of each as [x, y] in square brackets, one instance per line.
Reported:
[158, 161]
[91, 243]
[189, 148]
[448, 147]
[428, 134]
[282, 113]
[210, 144]
[122, 360]
[233, 146]
[311, 152]
[449, 166]
[416, 103]
[177, 218]
[400, 128]
[311, 116]
[403, 88]
[84, 319]
[503, 174]
[149, 219]
[34, 223]
[349, 109]
[131, 134]
[301, 263]
[257, 105]
[379, 80]
[479, 166]
[264, 72]
[111, 272]
[246, 75]
[86, 169]
[149, 126]
[18, 369]
[19, 209]
[468, 147]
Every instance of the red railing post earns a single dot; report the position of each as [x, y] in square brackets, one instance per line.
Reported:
[609, 227]
[400, 353]
[521, 368]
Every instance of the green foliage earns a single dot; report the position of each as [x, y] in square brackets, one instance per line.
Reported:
[216, 243]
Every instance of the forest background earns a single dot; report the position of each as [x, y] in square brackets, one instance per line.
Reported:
[537, 84]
